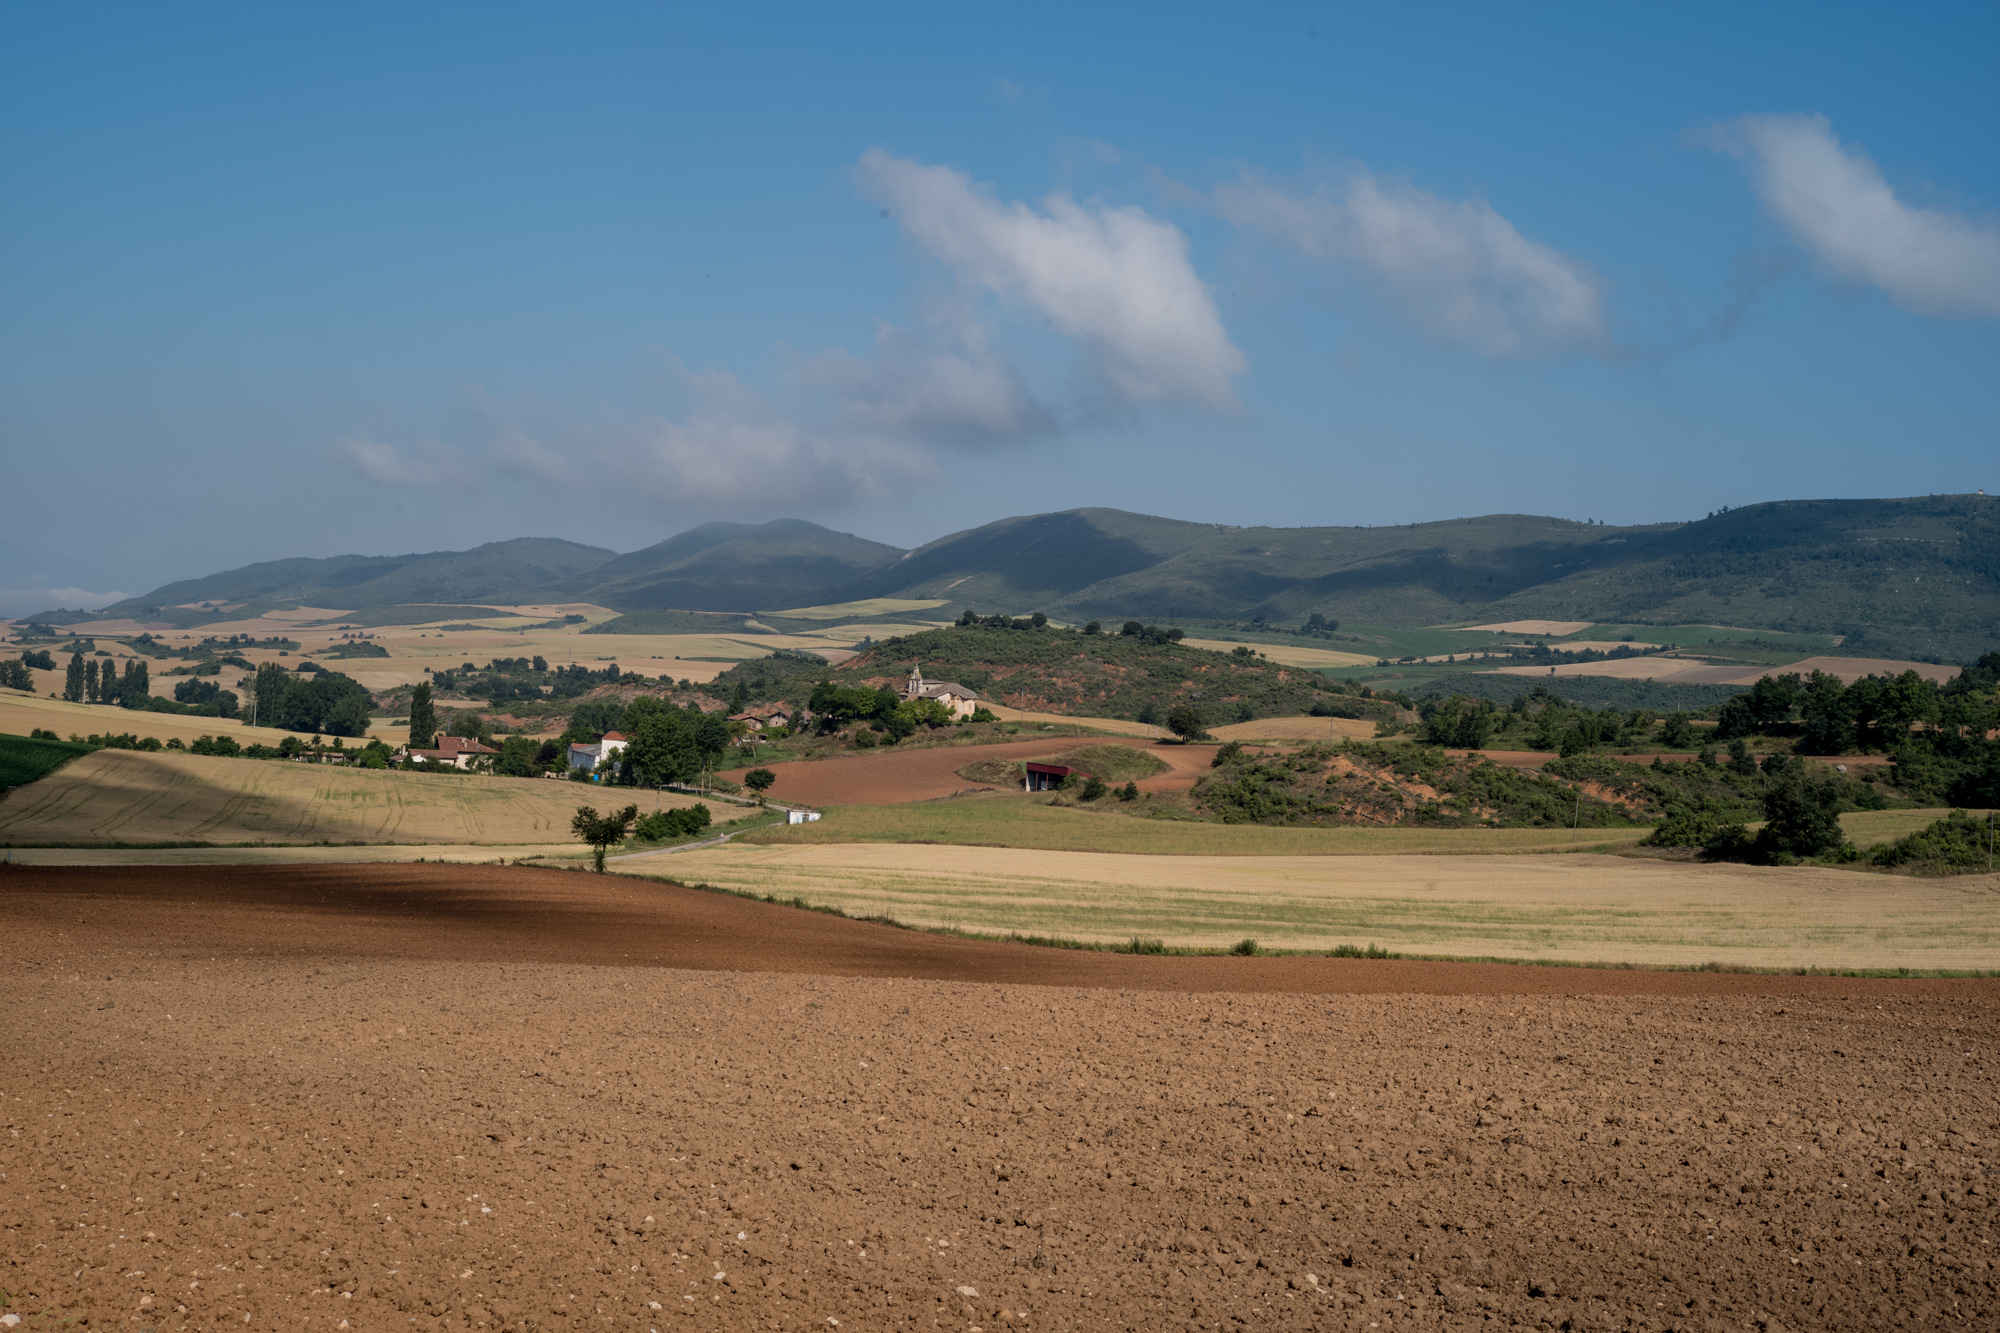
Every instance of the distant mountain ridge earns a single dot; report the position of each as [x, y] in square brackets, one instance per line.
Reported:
[1900, 577]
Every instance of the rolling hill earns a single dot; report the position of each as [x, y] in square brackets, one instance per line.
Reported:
[727, 567]
[1916, 577]
[1913, 577]
[492, 572]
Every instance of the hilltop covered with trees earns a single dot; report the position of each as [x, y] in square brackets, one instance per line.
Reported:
[1133, 671]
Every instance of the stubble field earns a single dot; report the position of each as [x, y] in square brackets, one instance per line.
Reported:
[1574, 909]
[431, 1097]
[135, 797]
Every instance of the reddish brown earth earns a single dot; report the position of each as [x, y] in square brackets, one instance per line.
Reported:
[456, 1097]
[892, 776]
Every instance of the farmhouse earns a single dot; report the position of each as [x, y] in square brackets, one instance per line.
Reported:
[590, 756]
[955, 697]
[457, 751]
[764, 715]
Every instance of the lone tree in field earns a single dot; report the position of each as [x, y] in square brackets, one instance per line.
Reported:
[1186, 722]
[602, 831]
[759, 780]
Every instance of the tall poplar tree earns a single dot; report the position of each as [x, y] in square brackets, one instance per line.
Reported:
[90, 695]
[423, 718]
[73, 679]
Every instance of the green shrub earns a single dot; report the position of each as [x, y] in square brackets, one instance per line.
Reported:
[1956, 844]
[667, 825]
[1245, 949]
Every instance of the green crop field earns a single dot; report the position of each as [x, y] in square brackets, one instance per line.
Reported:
[24, 760]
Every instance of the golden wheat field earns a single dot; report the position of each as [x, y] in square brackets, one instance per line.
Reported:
[21, 714]
[1580, 908]
[1288, 654]
[122, 796]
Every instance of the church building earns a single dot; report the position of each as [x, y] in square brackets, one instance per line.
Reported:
[957, 698]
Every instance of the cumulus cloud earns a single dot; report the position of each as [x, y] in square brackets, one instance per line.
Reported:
[729, 449]
[921, 386]
[429, 465]
[1118, 280]
[1455, 268]
[734, 448]
[1834, 201]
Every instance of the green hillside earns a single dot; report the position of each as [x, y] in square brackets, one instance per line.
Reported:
[1101, 675]
[729, 567]
[495, 572]
[1914, 577]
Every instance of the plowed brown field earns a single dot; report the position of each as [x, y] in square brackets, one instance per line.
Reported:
[436, 1097]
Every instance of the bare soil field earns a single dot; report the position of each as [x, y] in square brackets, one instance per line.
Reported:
[1330, 730]
[1575, 909]
[892, 776]
[134, 797]
[437, 1098]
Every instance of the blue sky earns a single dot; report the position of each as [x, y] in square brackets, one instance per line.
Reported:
[307, 279]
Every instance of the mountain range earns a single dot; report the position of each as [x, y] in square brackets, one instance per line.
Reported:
[1918, 576]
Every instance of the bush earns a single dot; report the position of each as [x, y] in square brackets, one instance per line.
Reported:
[667, 825]
[1691, 824]
[1093, 788]
[1245, 949]
[224, 746]
[1129, 792]
[1226, 752]
[1956, 844]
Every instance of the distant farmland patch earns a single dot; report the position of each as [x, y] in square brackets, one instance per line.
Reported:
[117, 796]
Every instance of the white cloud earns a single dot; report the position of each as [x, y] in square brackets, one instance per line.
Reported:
[923, 387]
[17, 602]
[1456, 269]
[735, 449]
[430, 465]
[1834, 201]
[1116, 279]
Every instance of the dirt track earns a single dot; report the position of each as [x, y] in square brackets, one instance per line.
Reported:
[430, 1097]
[893, 776]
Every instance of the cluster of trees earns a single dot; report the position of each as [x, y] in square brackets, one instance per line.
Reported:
[505, 679]
[1801, 811]
[1937, 734]
[1874, 713]
[1318, 626]
[85, 682]
[1132, 629]
[328, 704]
[971, 619]
[206, 696]
[882, 712]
